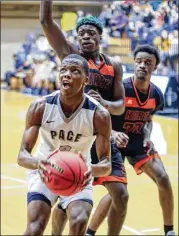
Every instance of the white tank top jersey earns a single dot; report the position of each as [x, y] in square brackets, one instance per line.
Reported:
[74, 134]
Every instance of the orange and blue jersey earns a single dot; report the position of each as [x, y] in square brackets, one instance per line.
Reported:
[101, 77]
[138, 109]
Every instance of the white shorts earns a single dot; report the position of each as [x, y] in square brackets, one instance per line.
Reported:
[37, 190]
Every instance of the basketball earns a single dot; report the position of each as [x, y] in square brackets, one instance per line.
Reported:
[67, 173]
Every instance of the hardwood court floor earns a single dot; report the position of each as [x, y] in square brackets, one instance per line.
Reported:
[144, 214]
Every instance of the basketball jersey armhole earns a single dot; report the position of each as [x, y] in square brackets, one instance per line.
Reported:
[44, 118]
[106, 59]
[108, 62]
[45, 113]
[94, 130]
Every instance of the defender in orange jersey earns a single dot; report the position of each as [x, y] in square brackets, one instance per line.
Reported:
[131, 134]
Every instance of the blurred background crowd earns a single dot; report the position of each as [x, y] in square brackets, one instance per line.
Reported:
[35, 69]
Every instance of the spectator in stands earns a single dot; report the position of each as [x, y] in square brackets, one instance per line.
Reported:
[173, 51]
[15, 84]
[42, 67]
[51, 86]
[17, 67]
[118, 23]
[105, 15]
[126, 7]
[51, 56]
[80, 14]
[163, 43]
[147, 17]
[132, 34]
[150, 22]
[136, 14]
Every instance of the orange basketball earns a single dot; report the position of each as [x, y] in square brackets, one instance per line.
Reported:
[67, 173]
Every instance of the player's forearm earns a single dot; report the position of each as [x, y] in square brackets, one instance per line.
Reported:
[115, 107]
[102, 168]
[46, 12]
[148, 129]
[26, 160]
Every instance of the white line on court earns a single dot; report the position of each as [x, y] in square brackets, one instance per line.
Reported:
[13, 187]
[14, 179]
[136, 232]
[9, 165]
[149, 230]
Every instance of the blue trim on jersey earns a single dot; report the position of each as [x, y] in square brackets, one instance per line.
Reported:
[52, 99]
[35, 196]
[89, 105]
[83, 199]
[87, 200]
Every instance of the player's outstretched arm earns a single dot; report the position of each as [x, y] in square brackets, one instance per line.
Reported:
[53, 32]
[102, 125]
[33, 123]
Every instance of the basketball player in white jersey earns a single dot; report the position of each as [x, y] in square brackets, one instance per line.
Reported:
[68, 120]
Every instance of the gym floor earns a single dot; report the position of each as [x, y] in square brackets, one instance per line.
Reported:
[144, 215]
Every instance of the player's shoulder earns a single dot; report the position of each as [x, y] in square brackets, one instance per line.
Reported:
[102, 113]
[38, 105]
[35, 111]
[156, 89]
[102, 118]
[127, 83]
[90, 103]
[36, 108]
[113, 61]
[52, 98]
[116, 64]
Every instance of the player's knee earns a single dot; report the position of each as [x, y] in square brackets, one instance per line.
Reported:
[163, 181]
[78, 223]
[121, 198]
[36, 227]
[106, 199]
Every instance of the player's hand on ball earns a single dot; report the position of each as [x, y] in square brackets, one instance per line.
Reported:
[121, 139]
[88, 173]
[149, 146]
[42, 169]
[97, 97]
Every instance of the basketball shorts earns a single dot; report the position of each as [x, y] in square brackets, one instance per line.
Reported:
[37, 190]
[139, 159]
[118, 173]
[137, 156]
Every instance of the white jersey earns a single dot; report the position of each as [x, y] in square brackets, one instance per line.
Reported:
[74, 134]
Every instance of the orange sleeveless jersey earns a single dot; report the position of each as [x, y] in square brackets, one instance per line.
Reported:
[101, 77]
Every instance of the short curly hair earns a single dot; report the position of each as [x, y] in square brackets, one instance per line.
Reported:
[90, 20]
[148, 48]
